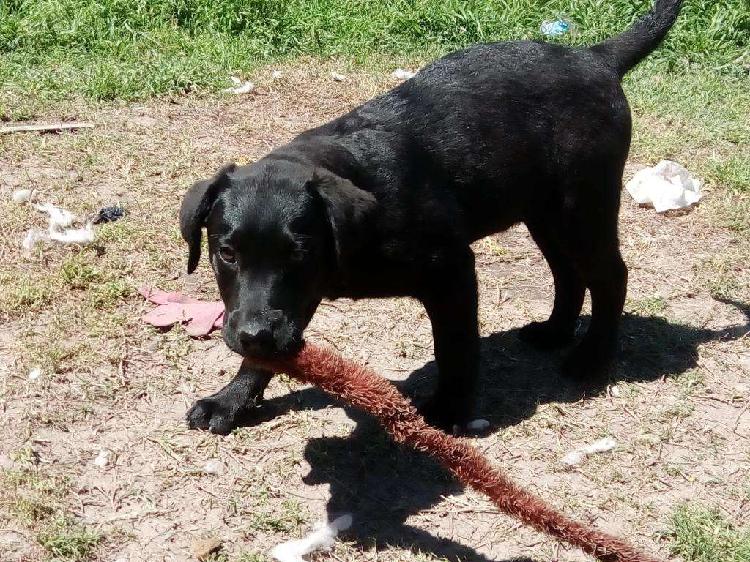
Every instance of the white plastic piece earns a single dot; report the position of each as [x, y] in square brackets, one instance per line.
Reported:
[58, 218]
[403, 74]
[573, 458]
[35, 373]
[338, 77]
[666, 186]
[601, 446]
[83, 235]
[240, 86]
[322, 538]
[22, 195]
[576, 457]
[276, 74]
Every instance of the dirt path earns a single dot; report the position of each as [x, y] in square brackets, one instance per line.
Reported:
[677, 405]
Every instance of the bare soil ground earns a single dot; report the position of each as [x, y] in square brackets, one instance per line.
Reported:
[677, 404]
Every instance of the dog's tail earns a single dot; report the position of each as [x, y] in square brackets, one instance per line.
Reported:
[631, 47]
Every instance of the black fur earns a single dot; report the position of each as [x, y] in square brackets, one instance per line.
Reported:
[386, 200]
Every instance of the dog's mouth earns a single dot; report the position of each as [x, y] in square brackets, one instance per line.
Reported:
[287, 351]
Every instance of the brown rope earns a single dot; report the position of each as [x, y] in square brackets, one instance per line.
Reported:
[362, 388]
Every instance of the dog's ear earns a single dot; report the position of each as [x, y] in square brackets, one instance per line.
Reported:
[194, 211]
[348, 209]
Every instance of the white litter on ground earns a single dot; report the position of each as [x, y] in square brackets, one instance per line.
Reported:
[322, 538]
[213, 466]
[276, 74]
[58, 218]
[240, 86]
[83, 235]
[22, 195]
[35, 373]
[102, 459]
[58, 231]
[601, 446]
[338, 77]
[403, 74]
[666, 186]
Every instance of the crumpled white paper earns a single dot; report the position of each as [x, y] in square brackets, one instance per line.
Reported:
[666, 186]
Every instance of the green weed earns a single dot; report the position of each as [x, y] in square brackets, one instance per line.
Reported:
[702, 535]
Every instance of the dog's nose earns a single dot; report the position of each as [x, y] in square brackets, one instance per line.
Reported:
[256, 339]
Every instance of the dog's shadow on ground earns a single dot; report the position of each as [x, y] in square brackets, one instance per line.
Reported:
[383, 484]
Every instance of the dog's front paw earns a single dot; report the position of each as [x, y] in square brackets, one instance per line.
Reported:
[444, 415]
[214, 414]
[545, 335]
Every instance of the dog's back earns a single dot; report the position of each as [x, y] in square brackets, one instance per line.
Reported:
[500, 123]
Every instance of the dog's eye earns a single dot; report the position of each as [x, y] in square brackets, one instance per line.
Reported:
[227, 254]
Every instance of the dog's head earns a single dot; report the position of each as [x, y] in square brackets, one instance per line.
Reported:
[279, 232]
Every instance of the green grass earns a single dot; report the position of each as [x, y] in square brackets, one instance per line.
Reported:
[649, 306]
[702, 535]
[288, 519]
[130, 49]
[698, 118]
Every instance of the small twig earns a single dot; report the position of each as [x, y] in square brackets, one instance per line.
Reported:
[138, 515]
[44, 128]
[714, 398]
[737, 421]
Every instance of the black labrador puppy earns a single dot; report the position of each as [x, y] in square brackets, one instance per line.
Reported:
[385, 201]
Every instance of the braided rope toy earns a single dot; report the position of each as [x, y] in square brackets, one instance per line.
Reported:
[363, 389]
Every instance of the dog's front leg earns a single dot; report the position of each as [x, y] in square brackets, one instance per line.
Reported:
[221, 412]
[451, 304]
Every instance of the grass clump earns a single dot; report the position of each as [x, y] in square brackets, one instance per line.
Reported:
[25, 293]
[108, 49]
[37, 501]
[66, 540]
[703, 535]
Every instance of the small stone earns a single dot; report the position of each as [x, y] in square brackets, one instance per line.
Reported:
[204, 547]
[213, 467]
[22, 195]
[102, 459]
[35, 373]
[338, 77]
[614, 391]
[276, 74]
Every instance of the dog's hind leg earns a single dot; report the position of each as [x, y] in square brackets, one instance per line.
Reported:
[570, 289]
[593, 243]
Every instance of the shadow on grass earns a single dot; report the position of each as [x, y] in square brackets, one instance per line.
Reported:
[382, 484]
